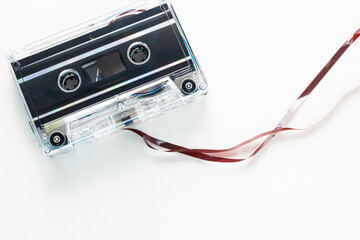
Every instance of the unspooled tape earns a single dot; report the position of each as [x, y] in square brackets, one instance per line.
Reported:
[223, 155]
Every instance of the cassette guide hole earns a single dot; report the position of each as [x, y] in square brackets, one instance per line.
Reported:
[58, 139]
[188, 86]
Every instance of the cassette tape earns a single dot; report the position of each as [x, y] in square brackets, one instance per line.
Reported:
[105, 75]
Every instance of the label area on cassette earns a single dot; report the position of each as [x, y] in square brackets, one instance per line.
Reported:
[107, 74]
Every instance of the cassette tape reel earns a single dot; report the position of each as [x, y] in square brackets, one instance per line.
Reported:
[102, 76]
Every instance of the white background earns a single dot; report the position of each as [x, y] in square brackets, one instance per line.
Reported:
[258, 56]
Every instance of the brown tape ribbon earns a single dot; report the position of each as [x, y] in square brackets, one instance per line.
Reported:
[219, 155]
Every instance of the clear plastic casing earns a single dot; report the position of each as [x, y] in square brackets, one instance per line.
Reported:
[105, 75]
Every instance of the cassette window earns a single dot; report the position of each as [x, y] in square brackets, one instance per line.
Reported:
[104, 67]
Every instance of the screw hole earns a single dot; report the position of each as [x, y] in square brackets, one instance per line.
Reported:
[16, 65]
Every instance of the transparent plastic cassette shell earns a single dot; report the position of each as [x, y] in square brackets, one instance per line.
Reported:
[105, 75]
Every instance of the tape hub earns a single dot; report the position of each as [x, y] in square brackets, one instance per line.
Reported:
[69, 81]
[139, 53]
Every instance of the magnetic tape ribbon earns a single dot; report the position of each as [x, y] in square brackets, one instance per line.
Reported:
[219, 155]
[120, 15]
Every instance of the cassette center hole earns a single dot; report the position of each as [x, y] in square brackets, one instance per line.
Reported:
[69, 81]
[139, 53]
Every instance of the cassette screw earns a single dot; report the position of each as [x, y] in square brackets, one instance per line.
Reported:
[189, 86]
[44, 136]
[47, 150]
[16, 65]
[57, 139]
